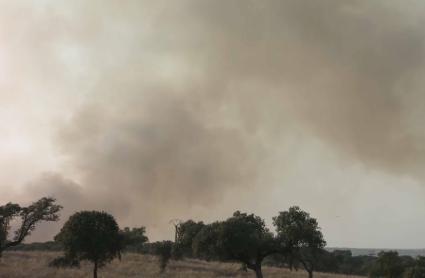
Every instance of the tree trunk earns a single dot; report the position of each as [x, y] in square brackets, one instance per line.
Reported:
[308, 267]
[258, 272]
[310, 273]
[95, 270]
[256, 268]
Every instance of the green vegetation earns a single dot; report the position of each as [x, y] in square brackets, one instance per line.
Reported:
[134, 239]
[245, 238]
[44, 209]
[186, 232]
[300, 236]
[164, 251]
[298, 242]
[92, 236]
[417, 269]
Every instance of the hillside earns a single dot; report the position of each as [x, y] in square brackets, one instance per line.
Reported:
[34, 264]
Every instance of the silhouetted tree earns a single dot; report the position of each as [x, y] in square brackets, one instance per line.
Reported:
[388, 264]
[176, 223]
[299, 236]
[133, 239]
[204, 244]
[92, 236]
[243, 238]
[44, 209]
[417, 270]
[338, 261]
[186, 232]
[164, 251]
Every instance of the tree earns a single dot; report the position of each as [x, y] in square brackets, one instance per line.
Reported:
[44, 209]
[243, 238]
[164, 250]
[204, 243]
[299, 236]
[176, 223]
[418, 269]
[388, 264]
[92, 236]
[133, 239]
[186, 232]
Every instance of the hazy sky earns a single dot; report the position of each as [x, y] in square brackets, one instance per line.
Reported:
[193, 109]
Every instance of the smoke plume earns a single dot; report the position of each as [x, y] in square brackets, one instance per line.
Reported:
[173, 107]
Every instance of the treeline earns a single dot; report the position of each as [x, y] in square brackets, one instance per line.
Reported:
[244, 238]
[302, 248]
[296, 243]
[385, 264]
[38, 246]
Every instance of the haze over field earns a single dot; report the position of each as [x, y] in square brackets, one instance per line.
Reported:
[154, 110]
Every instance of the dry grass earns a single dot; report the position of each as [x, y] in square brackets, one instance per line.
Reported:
[34, 265]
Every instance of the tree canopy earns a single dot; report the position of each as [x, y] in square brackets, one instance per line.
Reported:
[204, 243]
[242, 237]
[299, 236]
[417, 270]
[45, 209]
[92, 236]
[134, 238]
[388, 264]
[186, 232]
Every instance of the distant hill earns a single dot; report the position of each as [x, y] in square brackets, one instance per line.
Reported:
[374, 252]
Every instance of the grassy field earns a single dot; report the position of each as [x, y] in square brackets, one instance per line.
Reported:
[34, 264]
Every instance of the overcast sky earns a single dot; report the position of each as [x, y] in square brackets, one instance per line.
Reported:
[193, 109]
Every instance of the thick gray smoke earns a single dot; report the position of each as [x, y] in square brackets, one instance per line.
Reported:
[182, 103]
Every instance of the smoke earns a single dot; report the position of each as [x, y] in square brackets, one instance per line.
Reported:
[156, 157]
[181, 105]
